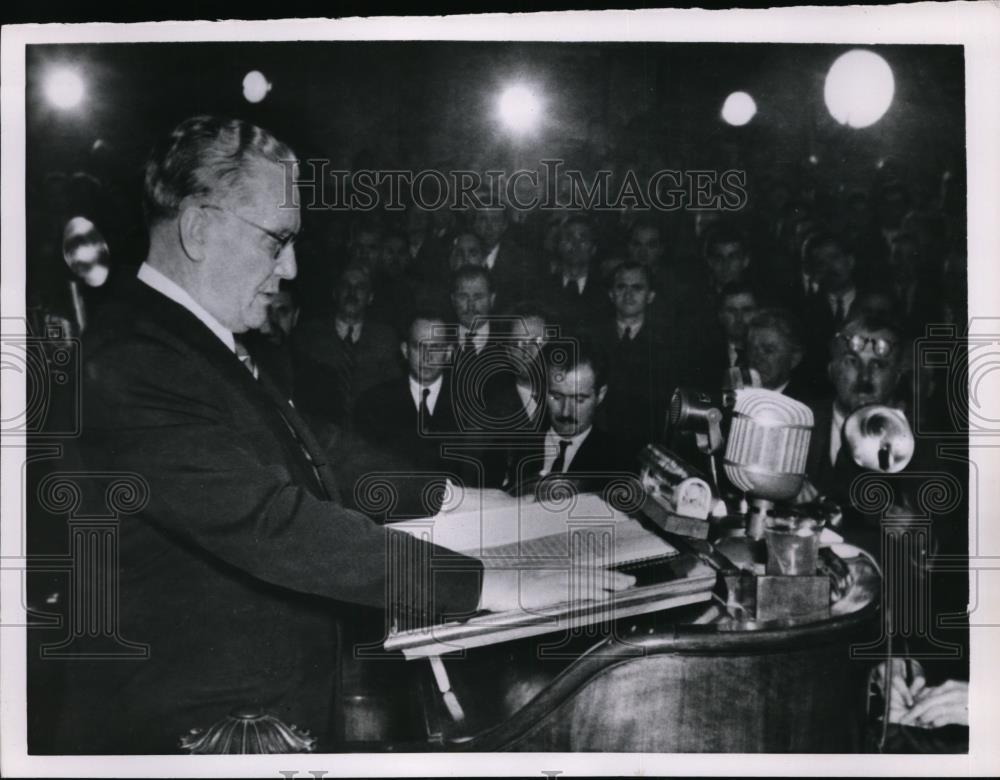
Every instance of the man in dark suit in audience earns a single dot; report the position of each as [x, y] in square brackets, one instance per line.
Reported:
[341, 356]
[472, 299]
[728, 355]
[865, 369]
[831, 262]
[571, 447]
[413, 416]
[775, 350]
[513, 408]
[515, 271]
[642, 366]
[575, 292]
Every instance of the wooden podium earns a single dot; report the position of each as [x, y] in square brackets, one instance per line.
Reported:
[664, 669]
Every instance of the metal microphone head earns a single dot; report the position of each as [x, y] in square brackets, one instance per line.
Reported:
[879, 438]
[693, 410]
[768, 444]
[689, 408]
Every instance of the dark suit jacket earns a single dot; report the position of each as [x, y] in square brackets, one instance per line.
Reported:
[642, 375]
[798, 389]
[321, 363]
[234, 570]
[505, 427]
[575, 310]
[516, 274]
[819, 327]
[600, 460]
[387, 418]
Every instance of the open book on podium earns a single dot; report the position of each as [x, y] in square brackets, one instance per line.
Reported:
[580, 536]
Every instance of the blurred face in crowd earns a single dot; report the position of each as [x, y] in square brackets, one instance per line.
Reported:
[573, 399]
[861, 376]
[526, 346]
[426, 351]
[490, 225]
[354, 295]
[630, 293]
[472, 300]
[773, 355]
[735, 313]
[727, 262]
[282, 314]
[367, 249]
[395, 253]
[245, 248]
[645, 246]
[466, 251]
[834, 268]
[576, 249]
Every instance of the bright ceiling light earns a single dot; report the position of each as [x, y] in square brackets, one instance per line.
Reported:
[859, 88]
[64, 88]
[255, 86]
[738, 109]
[520, 108]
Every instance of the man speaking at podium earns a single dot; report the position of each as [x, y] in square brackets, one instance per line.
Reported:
[234, 572]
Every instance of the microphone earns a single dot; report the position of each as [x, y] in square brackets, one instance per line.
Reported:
[879, 438]
[693, 410]
[767, 449]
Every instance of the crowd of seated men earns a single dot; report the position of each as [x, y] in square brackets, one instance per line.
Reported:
[427, 333]
[498, 349]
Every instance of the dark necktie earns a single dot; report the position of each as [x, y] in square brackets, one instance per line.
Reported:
[425, 409]
[741, 358]
[345, 371]
[468, 346]
[627, 335]
[559, 464]
[349, 337]
[300, 434]
[572, 290]
[838, 314]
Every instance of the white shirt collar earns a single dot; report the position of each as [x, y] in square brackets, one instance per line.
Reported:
[552, 440]
[491, 256]
[581, 283]
[781, 388]
[168, 287]
[732, 352]
[480, 336]
[847, 298]
[528, 400]
[417, 393]
[344, 327]
[635, 324]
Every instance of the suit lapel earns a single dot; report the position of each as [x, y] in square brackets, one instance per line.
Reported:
[264, 394]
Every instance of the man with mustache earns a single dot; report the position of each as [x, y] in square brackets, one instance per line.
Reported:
[572, 447]
[865, 368]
